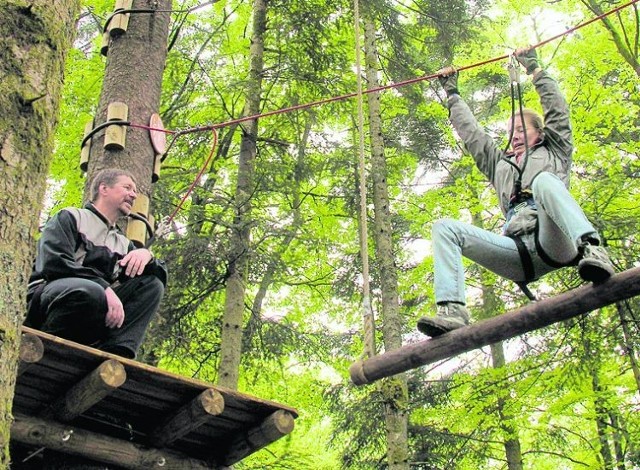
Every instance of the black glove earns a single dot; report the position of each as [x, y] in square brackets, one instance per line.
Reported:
[528, 59]
[448, 78]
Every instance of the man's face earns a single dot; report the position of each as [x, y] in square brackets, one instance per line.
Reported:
[517, 142]
[121, 195]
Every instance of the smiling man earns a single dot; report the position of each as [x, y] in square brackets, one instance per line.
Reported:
[90, 284]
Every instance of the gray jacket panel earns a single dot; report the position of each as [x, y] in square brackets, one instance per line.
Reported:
[552, 154]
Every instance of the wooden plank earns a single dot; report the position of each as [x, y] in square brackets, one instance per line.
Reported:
[277, 425]
[150, 378]
[31, 351]
[76, 441]
[191, 416]
[528, 318]
[90, 390]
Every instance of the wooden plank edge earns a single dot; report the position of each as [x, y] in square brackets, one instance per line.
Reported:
[274, 426]
[189, 417]
[79, 442]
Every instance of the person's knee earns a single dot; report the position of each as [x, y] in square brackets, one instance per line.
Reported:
[546, 182]
[444, 229]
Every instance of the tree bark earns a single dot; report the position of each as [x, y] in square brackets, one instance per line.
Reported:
[396, 393]
[232, 319]
[133, 75]
[34, 39]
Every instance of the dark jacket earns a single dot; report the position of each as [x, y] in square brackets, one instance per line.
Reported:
[552, 154]
[82, 243]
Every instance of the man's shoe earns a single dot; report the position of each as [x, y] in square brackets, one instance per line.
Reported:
[450, 316]
[595, 265]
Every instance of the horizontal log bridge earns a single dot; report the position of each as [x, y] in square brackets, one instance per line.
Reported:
[278, 424]
[191, 416]
[103, 380]
[528, 318]
[75, 441]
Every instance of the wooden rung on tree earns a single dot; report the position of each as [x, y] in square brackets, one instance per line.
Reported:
[107, 377]
[528, 318]
[189, 417]
[278, 424]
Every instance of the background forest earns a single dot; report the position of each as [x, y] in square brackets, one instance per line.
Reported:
[561, 398]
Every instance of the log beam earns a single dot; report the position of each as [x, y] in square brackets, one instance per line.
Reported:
[275, 426]
[31, 351]
[103, 380]
[191, 416]
[528, 318]
[76, 441]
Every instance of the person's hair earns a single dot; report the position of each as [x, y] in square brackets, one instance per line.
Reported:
[534, 118]
[109, 177]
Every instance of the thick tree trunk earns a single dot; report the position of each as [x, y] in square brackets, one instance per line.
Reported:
[396, 394]
[133, 76]
[232, 320]
[34, 38]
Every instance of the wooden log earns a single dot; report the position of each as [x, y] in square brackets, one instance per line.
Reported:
[191, 416]
[528, 318]
[276, 425]
[137, 229]
[76, 441]
[31, 351]
[115, 136]
[103, 380]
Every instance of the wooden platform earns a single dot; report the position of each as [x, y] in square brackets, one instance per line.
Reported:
[80, 401]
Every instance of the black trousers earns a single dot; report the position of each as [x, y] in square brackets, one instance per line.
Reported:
[75, 309]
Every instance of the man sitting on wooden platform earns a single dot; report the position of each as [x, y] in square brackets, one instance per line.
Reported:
[90, 283]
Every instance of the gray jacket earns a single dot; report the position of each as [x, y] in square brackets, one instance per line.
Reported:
[552, 154]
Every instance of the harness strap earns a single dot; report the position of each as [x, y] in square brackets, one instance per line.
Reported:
[548, 259]
[527, 267]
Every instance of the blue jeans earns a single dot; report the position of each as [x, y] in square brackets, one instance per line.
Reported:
[561, 226]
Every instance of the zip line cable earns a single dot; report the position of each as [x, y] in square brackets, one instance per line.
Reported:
[214, 127]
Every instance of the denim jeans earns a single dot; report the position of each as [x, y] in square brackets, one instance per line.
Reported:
[561, 226]
[75, 309]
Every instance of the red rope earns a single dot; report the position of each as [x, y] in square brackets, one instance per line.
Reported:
[200, 173]
[299, 107]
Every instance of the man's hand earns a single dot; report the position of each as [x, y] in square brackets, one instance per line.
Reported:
[528, 58]
[115, 310]
[448, 78]
[135, 261]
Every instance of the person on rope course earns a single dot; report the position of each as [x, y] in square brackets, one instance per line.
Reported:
[90, 283]
[545, 228]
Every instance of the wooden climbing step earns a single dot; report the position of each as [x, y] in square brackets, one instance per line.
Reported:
[84, 402]
[499, 328]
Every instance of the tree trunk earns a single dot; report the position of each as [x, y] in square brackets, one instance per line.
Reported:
[133, 76]
[507, 421]
[395, 389]
[628, 341]
[231, 337]
[34, 39]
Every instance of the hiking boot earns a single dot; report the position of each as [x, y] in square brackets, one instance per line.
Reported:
[450, 316]
[595, 265]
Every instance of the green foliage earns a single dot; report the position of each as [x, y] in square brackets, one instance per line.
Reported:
[303, 307]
